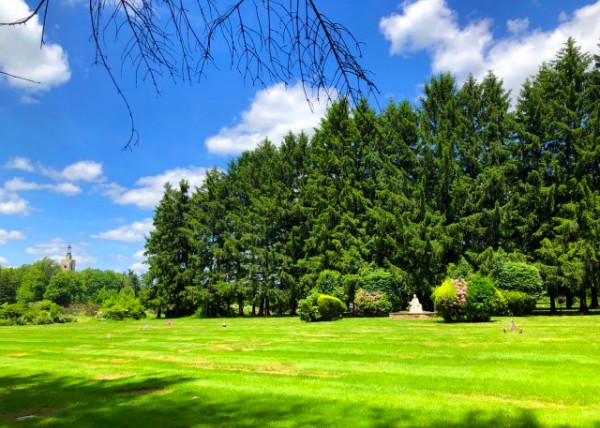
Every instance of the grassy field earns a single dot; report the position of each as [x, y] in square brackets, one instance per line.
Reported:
[281, 372]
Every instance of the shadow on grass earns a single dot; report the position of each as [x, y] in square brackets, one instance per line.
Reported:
[173, 402]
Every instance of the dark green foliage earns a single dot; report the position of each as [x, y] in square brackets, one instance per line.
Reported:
[62, 289]
[397, 200]
[121, 306]
[308, 309]
[384, 281]
[480, 299]
[518, 303]
[330, 307]
[515, 276]
[330, 283]
[42, 312]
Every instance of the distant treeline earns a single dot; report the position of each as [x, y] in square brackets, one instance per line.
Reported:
[459, 181]
[44, 280]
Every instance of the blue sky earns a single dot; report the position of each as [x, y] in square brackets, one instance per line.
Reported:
[64, 177]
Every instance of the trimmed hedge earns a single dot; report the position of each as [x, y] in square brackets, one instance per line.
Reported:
[320, 307]
[519, 303]
[517, 276]
[331, 307]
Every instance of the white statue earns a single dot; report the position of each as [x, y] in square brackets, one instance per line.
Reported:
[415, 306]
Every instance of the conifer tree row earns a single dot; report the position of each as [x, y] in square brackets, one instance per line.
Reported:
[458, 180]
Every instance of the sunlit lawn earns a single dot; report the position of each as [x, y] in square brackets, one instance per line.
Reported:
[286, 373]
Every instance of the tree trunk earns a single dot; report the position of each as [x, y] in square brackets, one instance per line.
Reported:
[594, 294]
[261, 307]
[241, 305]
[552, 293]
[583, 300]
[569, 296]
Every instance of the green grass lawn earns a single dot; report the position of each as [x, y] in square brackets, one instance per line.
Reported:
[282, 372]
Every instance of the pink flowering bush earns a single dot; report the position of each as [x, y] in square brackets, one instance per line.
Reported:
[371, 304]
[459, 300]
[450, 299]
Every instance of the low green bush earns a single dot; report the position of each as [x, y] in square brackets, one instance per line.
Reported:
[500, 305]
[320, 307]
[518, 276]
[308, 309]
[44, 312]
[330, 307]
[369, 304]
[519, 303]
[121, 306]
[480, 299]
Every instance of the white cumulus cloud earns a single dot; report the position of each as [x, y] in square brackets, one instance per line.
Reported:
[134, 232]
[87, 171]
[12, 204]
[274, 112]
[12, 235]
[17, 184]
[432, 26]
[3, 261]
[23, 55]
[20, 163]
[149, 190]
[56, 248]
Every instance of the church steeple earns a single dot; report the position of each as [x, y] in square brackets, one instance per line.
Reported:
[68, 263]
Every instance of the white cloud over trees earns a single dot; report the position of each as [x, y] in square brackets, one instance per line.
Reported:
[432, 26]
[273, 113]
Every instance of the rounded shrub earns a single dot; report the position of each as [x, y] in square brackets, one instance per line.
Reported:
[480, 299]
[500, 305]
[450, 300]
[518, 276]
[330, 307]
[369, 304]
[320, 307]
[519, 303]
[308, 309]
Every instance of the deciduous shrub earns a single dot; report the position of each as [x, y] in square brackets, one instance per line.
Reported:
[500, 305]
[371, 304]
[44, 312]
[383, 281]
[480, 299]
[459, 300]
[519, 303]
[517, 276]
[320, 307]
[450, 300]
[330, 307]
[121, 306]
[308, 309]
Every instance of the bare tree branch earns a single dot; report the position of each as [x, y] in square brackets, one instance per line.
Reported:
[267, 40]
[20, 77]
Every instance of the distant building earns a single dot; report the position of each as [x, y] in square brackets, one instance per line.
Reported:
[68, 263]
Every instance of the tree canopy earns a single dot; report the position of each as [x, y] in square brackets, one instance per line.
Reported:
[458, 181]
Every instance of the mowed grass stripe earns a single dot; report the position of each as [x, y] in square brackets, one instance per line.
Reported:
[282, 372]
